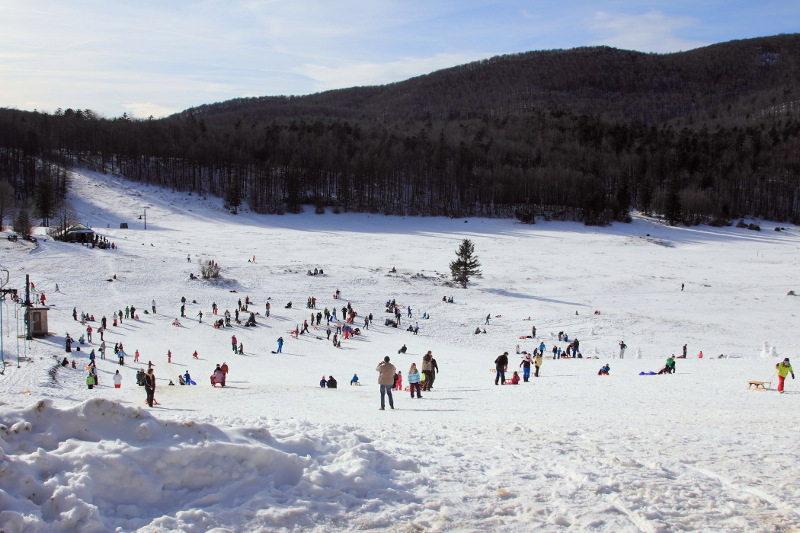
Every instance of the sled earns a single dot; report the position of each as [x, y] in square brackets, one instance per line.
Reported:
[759, 385]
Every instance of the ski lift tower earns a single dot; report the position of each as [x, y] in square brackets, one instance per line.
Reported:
[4, 277]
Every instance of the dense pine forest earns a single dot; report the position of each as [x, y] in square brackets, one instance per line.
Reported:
[705, 136]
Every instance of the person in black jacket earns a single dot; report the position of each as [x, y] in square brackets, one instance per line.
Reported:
[500, 365]
[150, 386]
[331, 382]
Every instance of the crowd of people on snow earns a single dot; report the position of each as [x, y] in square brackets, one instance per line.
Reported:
[339, 323]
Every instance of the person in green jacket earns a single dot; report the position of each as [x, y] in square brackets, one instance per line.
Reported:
[784, 369]
[90, 380]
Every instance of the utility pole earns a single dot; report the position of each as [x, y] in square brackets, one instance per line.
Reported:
[145, 218]
[28, 305]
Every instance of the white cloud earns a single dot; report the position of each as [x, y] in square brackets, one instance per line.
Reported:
[358, 74]
[147, 109]
[653, 31]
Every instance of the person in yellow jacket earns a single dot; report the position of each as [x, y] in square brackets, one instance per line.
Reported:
[784, 369]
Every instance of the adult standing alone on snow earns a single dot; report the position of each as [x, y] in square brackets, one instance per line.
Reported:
[150, 386]
[500, 365]
[784, 369]
[386, 372]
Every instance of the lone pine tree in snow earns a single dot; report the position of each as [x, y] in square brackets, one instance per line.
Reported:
[466, 264]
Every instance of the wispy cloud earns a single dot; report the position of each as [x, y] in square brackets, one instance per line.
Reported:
[653, 31]
[352, 73]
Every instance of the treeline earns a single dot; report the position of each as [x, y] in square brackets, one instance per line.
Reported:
[711, 156]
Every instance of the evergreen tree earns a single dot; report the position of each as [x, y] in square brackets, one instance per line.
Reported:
[233, 194]
[6, 200]
[672, 204]
[46, 201]
[23, 224]
[466, 263]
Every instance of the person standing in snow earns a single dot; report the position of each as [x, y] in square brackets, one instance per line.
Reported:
[526, 367]
[500, 365]
[117, 380]
[784, 369]
[427, 370]
[153, 306]
[487, 319]
[413, 380]
[386, 372]
[234, 343]
[434, 371]
[622, 347]
[90, 381]
[537, 362]
[280, 345]
[150, 386]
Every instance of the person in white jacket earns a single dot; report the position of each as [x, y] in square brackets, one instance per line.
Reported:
[117, 380]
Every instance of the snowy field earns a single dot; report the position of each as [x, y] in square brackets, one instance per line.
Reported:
[272, 451]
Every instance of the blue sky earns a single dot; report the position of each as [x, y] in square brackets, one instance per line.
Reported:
[149, 57]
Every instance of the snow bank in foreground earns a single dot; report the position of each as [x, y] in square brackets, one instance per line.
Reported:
[100, 465]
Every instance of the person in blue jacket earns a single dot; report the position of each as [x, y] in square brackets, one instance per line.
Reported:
[354, 381]
[280, 345]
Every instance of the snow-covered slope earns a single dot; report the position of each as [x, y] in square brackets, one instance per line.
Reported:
[272, 451]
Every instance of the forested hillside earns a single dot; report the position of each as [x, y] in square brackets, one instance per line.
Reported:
[712, 134]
